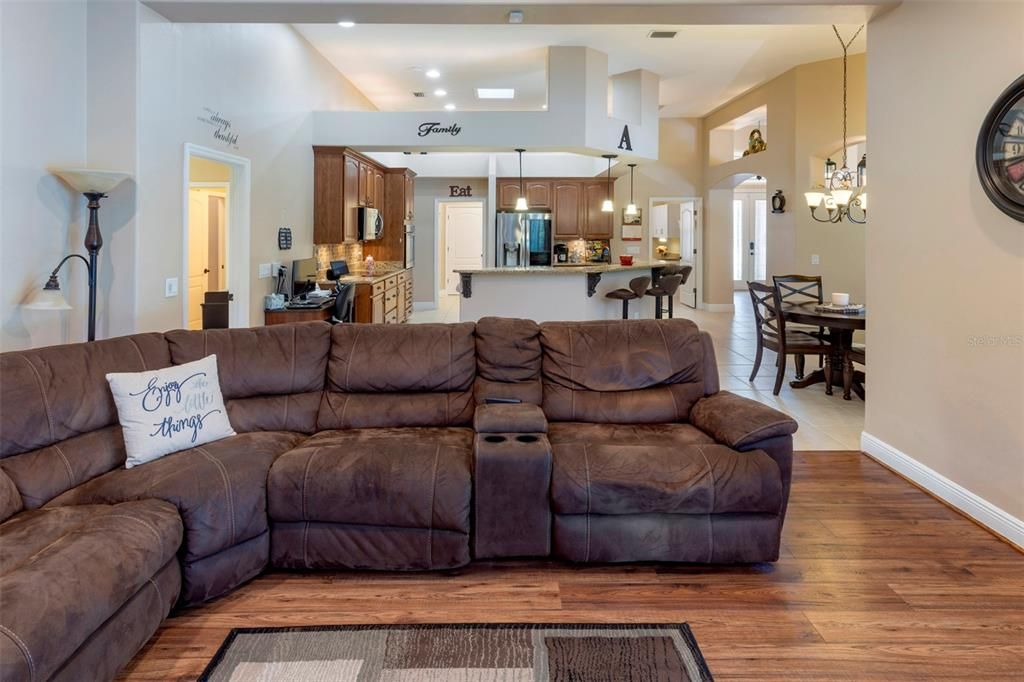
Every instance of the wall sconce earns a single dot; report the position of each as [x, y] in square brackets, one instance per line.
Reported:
[778, 202]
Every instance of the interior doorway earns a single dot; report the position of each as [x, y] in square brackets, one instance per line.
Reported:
[749, 232]
[215, 233]
[676, 235]
[461, 240]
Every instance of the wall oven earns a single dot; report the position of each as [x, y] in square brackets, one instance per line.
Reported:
[410, 245]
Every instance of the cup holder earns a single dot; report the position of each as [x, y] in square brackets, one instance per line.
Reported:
[495, 439]
[527, 439]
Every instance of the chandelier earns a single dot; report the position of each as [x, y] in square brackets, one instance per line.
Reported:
[844, 194]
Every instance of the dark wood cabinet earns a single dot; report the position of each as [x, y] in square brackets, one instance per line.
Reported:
[410, 198]
[566, 211]
[394, 199]
[508, 192]
[343, 181]
[538, 195]
[596, 223]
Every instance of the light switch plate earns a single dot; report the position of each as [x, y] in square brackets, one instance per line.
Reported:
[815, 260]
[264, 270]
[170, 287]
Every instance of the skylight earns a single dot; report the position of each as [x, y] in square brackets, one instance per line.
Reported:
[495, 93]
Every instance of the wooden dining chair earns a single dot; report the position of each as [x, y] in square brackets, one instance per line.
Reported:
[773, 335]
[801, 289]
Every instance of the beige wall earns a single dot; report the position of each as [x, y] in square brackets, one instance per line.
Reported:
[43, 51]
[678, 172]
[265, 79]
[945, 270]
[804, 120]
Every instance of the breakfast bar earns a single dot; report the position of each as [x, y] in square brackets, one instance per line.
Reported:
[558, 292]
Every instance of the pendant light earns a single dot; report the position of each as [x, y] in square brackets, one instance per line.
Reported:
[631, 207]
[521, 204]
[607, 206]
[844, 195]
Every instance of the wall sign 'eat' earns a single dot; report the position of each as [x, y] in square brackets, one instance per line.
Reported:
[456, 191]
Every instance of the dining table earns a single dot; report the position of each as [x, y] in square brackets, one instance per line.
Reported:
[841, 327]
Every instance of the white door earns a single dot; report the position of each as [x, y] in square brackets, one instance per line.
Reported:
[198, 256]
[464, 241]
[749, 238]
[688, 251]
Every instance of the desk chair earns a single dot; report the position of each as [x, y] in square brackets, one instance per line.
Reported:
[344, 304]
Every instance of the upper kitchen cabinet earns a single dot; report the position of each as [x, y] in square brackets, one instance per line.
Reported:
[597, 224]
[566, 210]
[396, 199]
[538, 195]
[508, 192]
[343, 181]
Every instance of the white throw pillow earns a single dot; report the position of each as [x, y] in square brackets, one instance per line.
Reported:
[169, 409]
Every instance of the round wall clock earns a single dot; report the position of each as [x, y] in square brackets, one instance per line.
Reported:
[1000, 154]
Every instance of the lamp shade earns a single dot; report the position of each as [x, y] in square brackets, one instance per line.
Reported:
[48, 299]
[862, 199]
[607, 206]
[630, 209]
[90, 180]
[521, 204]
[814, 199]
[842, 196]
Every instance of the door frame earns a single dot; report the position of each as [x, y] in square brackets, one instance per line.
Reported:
[440, 244]
[698, 241]
[237, 208]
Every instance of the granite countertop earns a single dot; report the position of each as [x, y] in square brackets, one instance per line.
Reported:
[593, 268]
[379, 273]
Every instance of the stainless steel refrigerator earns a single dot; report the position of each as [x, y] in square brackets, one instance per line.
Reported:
[523, 239]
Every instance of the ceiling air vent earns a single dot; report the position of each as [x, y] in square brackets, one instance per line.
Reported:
[419, 94]
[662, 34]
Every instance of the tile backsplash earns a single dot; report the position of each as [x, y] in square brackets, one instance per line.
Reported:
[325, 253]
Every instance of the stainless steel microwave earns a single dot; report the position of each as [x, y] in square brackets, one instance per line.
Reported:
[371, 224]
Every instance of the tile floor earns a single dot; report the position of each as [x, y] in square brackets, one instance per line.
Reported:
[826, 422]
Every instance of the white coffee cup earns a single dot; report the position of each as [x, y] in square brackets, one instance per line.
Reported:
[840, 299]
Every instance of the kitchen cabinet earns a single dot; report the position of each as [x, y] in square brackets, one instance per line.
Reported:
[567, 210]
[335, 196]
[409, 195]
[365, 183]
[386, 300]
[659, 222]
[394, 201]
[378, 189]
[538, 195]
[596, 223]
[508, 193]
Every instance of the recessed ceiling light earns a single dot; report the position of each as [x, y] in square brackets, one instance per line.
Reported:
[433, 73]
[543, 106]
[495, 93]
[440, 92]
[346, 24]
[449, 107]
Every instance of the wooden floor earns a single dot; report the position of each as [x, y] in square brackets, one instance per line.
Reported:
[877, 581]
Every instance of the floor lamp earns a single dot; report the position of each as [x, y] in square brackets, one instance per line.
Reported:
[94, 184]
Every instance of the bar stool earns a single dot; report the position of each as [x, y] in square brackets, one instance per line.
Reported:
[637, 289]
[667, 285]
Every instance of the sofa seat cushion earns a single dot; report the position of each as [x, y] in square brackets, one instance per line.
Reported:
[696, 478]
[653, 435]
[65, 571]
[399, 477]
[219, 488]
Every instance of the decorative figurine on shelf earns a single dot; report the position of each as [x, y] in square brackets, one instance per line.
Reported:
[369, 265]
[755, 143]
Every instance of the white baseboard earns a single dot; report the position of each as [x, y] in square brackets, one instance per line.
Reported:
[718, 307]
[984, 512]
[424, 305]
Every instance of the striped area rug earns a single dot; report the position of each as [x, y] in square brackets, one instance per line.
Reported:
[460, 653]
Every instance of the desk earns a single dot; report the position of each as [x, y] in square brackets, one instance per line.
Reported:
[288, 315]
[840, 335]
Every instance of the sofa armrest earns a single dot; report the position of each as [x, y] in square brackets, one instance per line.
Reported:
[738, 422]
[510, 418]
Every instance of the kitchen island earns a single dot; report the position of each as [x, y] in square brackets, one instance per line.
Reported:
[558, 292]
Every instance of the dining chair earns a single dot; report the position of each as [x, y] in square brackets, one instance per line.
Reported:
[637, 289]
[773, 335]
[856, 353]
[801, 289]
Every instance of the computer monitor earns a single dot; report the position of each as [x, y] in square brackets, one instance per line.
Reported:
[339, 268]
[304, 275]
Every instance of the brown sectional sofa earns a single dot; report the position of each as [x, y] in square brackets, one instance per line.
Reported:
[366, 446]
